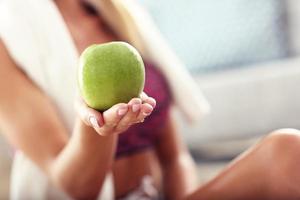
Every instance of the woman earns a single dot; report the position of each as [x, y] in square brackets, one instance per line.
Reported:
[38, 125]
[36, 116]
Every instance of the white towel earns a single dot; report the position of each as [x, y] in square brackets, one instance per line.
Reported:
[37, 39]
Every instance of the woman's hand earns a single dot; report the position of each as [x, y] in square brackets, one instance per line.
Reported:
[119, 117]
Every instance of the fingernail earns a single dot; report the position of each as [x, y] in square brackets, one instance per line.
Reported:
[153, 102]
[146, 114]
[122, 111]
[135, 107]
[94, 122]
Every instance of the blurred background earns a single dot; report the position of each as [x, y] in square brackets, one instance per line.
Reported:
[245, 57]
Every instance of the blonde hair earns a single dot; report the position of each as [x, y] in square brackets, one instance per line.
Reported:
[120, 15]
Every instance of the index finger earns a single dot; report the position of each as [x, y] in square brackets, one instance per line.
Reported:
[146, 99]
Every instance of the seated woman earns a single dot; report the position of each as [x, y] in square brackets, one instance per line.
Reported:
[40, 43]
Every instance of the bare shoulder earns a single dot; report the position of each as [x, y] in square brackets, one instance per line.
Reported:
[14, 83]
[6, 62]
[9, 72]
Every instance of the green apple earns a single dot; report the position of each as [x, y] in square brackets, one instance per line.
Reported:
[110, 73]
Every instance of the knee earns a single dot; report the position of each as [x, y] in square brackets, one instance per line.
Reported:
[283, 139]
[281, 153]
[282, 145]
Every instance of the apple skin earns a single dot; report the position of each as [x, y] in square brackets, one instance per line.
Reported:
[110, 73]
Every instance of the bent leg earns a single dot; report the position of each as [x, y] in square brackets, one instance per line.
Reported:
[268, 170]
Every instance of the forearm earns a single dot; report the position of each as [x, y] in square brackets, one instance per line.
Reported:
[179, 178]
[81, 167]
